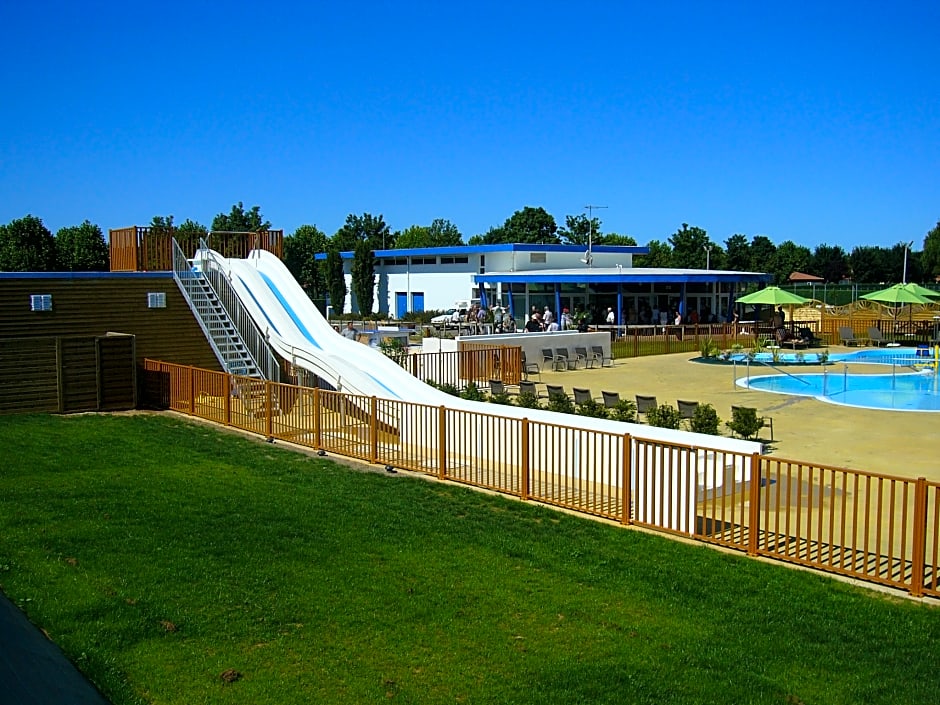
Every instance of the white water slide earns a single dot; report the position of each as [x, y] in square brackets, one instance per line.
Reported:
[299, 333]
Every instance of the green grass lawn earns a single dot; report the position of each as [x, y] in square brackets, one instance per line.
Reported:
[160, 554]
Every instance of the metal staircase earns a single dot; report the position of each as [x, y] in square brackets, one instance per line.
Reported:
[233, 335]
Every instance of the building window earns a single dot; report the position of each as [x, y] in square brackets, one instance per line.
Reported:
[156, 299]
[424, 260]
[536, 258]
[40, 302]
[447, 260]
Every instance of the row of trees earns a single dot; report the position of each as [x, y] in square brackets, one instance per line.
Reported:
[26, 245]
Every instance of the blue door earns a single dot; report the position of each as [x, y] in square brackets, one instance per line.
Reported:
[417, 301]
[401, 303]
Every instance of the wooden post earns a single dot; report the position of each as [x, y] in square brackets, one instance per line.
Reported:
[524, 469]
[919, 538]
[442, 442]
[317, 440]
[754, 508]
[626, 516]
[373, 430]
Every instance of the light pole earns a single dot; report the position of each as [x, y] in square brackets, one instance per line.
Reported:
[907, 246]
[588, 256]
[708, 256]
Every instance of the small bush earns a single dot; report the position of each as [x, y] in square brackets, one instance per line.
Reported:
[592, 409]
[501, 398]
[624, 411]
[664, 416]
[450, 389]
[745, 422]
[561, 403]
[528, 400]
[705, 420]
[472, 392]
[708, 348]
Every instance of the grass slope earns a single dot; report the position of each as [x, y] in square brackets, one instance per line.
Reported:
[160, 554]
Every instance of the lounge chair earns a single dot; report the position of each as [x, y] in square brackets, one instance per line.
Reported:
[555, 390]
[597, 351]
[687, 410]
[549, 357]
[847, 336]
[571, 361]
[876, 337]
[530, 368]
[611, 399]
[527, 387]
[581, 395]
[586, 357]
[644, 404]
[497, 387]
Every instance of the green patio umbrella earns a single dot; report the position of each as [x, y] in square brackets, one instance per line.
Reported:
[772, 296]
[898, 294]
[922, 290]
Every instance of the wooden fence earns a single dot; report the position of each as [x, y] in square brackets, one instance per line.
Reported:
[147, 249]
[868, 526]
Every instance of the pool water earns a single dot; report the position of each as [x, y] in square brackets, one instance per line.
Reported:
[902, 390]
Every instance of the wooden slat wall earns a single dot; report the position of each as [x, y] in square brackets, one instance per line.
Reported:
[28, 380]
[103, 303]
[78, 376]
[117, 383]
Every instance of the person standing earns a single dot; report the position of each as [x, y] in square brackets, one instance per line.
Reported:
[350, 331]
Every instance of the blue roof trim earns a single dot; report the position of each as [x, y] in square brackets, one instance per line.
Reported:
[503, 247]
[587, 277]
[86, 275]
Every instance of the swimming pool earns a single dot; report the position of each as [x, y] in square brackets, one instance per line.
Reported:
[902, 391]
[872, 356]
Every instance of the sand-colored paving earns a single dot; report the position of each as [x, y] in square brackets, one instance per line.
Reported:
[901, 443]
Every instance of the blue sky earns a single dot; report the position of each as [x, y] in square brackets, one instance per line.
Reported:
[817, 122]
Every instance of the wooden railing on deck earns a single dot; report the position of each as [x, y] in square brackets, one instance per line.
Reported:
[147, 249]
[872, 527]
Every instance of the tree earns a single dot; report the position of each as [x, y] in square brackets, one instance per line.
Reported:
[443, 233]
[365, 227]
[363, 277]
[930, 257]
[763, 252]
[81, 248]
[868, 264]
[26, 245]
[413, 236]
[616, 239]
[335, 280]
[240, 221]
[688, 247]
[894, 260]
[738, 254]
[660, 255]
[790, 258]
[829, 262]
[530, 225]
[579, 230]
[189, 233]
[300, 251]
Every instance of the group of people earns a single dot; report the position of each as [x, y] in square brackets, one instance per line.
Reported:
[546, 322]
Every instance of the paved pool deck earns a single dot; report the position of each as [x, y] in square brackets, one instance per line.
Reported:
[900, 443]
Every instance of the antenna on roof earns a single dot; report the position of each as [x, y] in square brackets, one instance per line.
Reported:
[588, 257]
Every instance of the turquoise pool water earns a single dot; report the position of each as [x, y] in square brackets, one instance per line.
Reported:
[901, 390]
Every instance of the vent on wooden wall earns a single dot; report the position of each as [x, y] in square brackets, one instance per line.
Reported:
[156, 299]
[40, 302]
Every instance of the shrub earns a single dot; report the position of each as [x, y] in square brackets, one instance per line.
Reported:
[664, 416]
[472, 392]
[624, 411]
[745, 422]
[705, 420]
[708, 348]
[450, 389]
[592, 409]
[501, 398]
[528, 400]
[561, 403]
